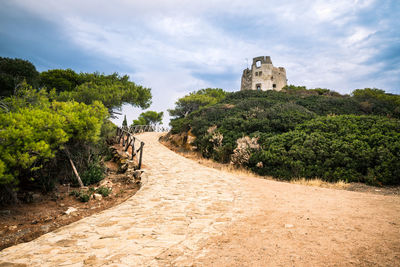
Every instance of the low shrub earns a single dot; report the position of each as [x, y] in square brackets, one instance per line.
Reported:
[104, 191]
[93, 174]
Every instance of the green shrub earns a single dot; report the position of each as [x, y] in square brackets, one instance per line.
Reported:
[74, 193]
[84, 196]
[350, 148]
[93, 174]
[104, 191]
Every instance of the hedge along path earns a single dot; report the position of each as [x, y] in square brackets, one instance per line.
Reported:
[187, 214]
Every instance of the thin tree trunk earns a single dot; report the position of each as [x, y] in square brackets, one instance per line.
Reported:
[73, 167]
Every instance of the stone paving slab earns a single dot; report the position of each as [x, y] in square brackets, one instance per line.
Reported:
[181, 204]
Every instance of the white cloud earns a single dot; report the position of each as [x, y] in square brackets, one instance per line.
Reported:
[165, 43]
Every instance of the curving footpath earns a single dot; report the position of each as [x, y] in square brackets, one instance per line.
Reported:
[190, 215]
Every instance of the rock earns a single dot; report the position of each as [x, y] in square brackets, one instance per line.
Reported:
[137, 174]
[5, 212]
[123, 168]
[70, 210]
[45, 228]
[62, 205]
[36, 197]
[289, 225]
[97, 196]
[12, 227]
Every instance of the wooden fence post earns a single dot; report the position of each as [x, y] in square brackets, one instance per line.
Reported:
[140, 155]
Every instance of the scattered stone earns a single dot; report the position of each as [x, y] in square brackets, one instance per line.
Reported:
[12, 227]
[62, 205]
[123, 168]
[289, 225]
[97, 196]
[36, 197]
[137, 174]
[45, 228]
[34, 222]
[70, 210]
[5, 212]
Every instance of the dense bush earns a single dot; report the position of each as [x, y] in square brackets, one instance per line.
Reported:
[302, 133]
[93, 174]
[350, 148]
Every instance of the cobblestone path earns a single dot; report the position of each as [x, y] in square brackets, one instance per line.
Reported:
[183, 207]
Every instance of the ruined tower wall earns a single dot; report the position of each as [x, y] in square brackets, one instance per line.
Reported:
[263, 76]
[246, 80]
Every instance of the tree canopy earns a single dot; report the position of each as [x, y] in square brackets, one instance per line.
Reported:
[149, 118]
[15, 71]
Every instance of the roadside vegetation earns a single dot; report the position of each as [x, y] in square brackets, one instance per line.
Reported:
[297, 133]
[53, 118]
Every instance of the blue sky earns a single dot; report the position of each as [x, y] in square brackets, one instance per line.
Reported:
[177, 46]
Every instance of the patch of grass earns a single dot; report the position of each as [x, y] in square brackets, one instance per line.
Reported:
[319, 183]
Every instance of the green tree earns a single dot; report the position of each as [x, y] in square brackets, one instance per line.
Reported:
[15, 71]
[61, 80]
[124, 122]
[149, 118]
[112, 94]
[196, 100]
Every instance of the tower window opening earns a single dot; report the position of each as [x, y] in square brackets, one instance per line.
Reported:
[258, 64]
[258, 86]
[274, 86]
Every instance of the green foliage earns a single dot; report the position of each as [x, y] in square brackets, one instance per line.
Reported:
[196, 100]
[299, 134]
[112, 93]
[36, 129]
[93, 174]
[149, 118]
[74, 193]
[15, 71]
[61, 80]
[348, 147]
[84, 196]
[125, 122]
[104, 191]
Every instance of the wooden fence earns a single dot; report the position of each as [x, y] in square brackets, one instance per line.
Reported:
[147, 128]
[126, 136]
[129, 140]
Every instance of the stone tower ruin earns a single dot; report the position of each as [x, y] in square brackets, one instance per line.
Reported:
[263, 76]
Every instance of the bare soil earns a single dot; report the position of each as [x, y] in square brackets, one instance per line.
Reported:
[24, 222]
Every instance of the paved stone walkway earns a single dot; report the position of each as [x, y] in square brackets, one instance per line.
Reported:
[181, 204]
[178, 216]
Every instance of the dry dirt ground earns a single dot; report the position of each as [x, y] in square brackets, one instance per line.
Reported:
[24, 222]
[187, 214]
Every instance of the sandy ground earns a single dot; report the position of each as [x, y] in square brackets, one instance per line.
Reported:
[187, 214]
[305, 226]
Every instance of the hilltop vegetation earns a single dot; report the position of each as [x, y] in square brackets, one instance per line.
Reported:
[57, 116]
[298, 132]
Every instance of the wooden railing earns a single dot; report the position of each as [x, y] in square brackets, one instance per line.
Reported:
[147, 128]
[126, 135]
[129, 140]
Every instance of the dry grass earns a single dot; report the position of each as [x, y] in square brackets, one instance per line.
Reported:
[319, 183]
[242, 172]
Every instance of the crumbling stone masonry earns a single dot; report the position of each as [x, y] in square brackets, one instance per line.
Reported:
[263, 76]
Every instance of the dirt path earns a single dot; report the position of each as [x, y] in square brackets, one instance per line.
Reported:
[187, 214]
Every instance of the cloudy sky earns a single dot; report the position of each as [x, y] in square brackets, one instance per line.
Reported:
[177, 46]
